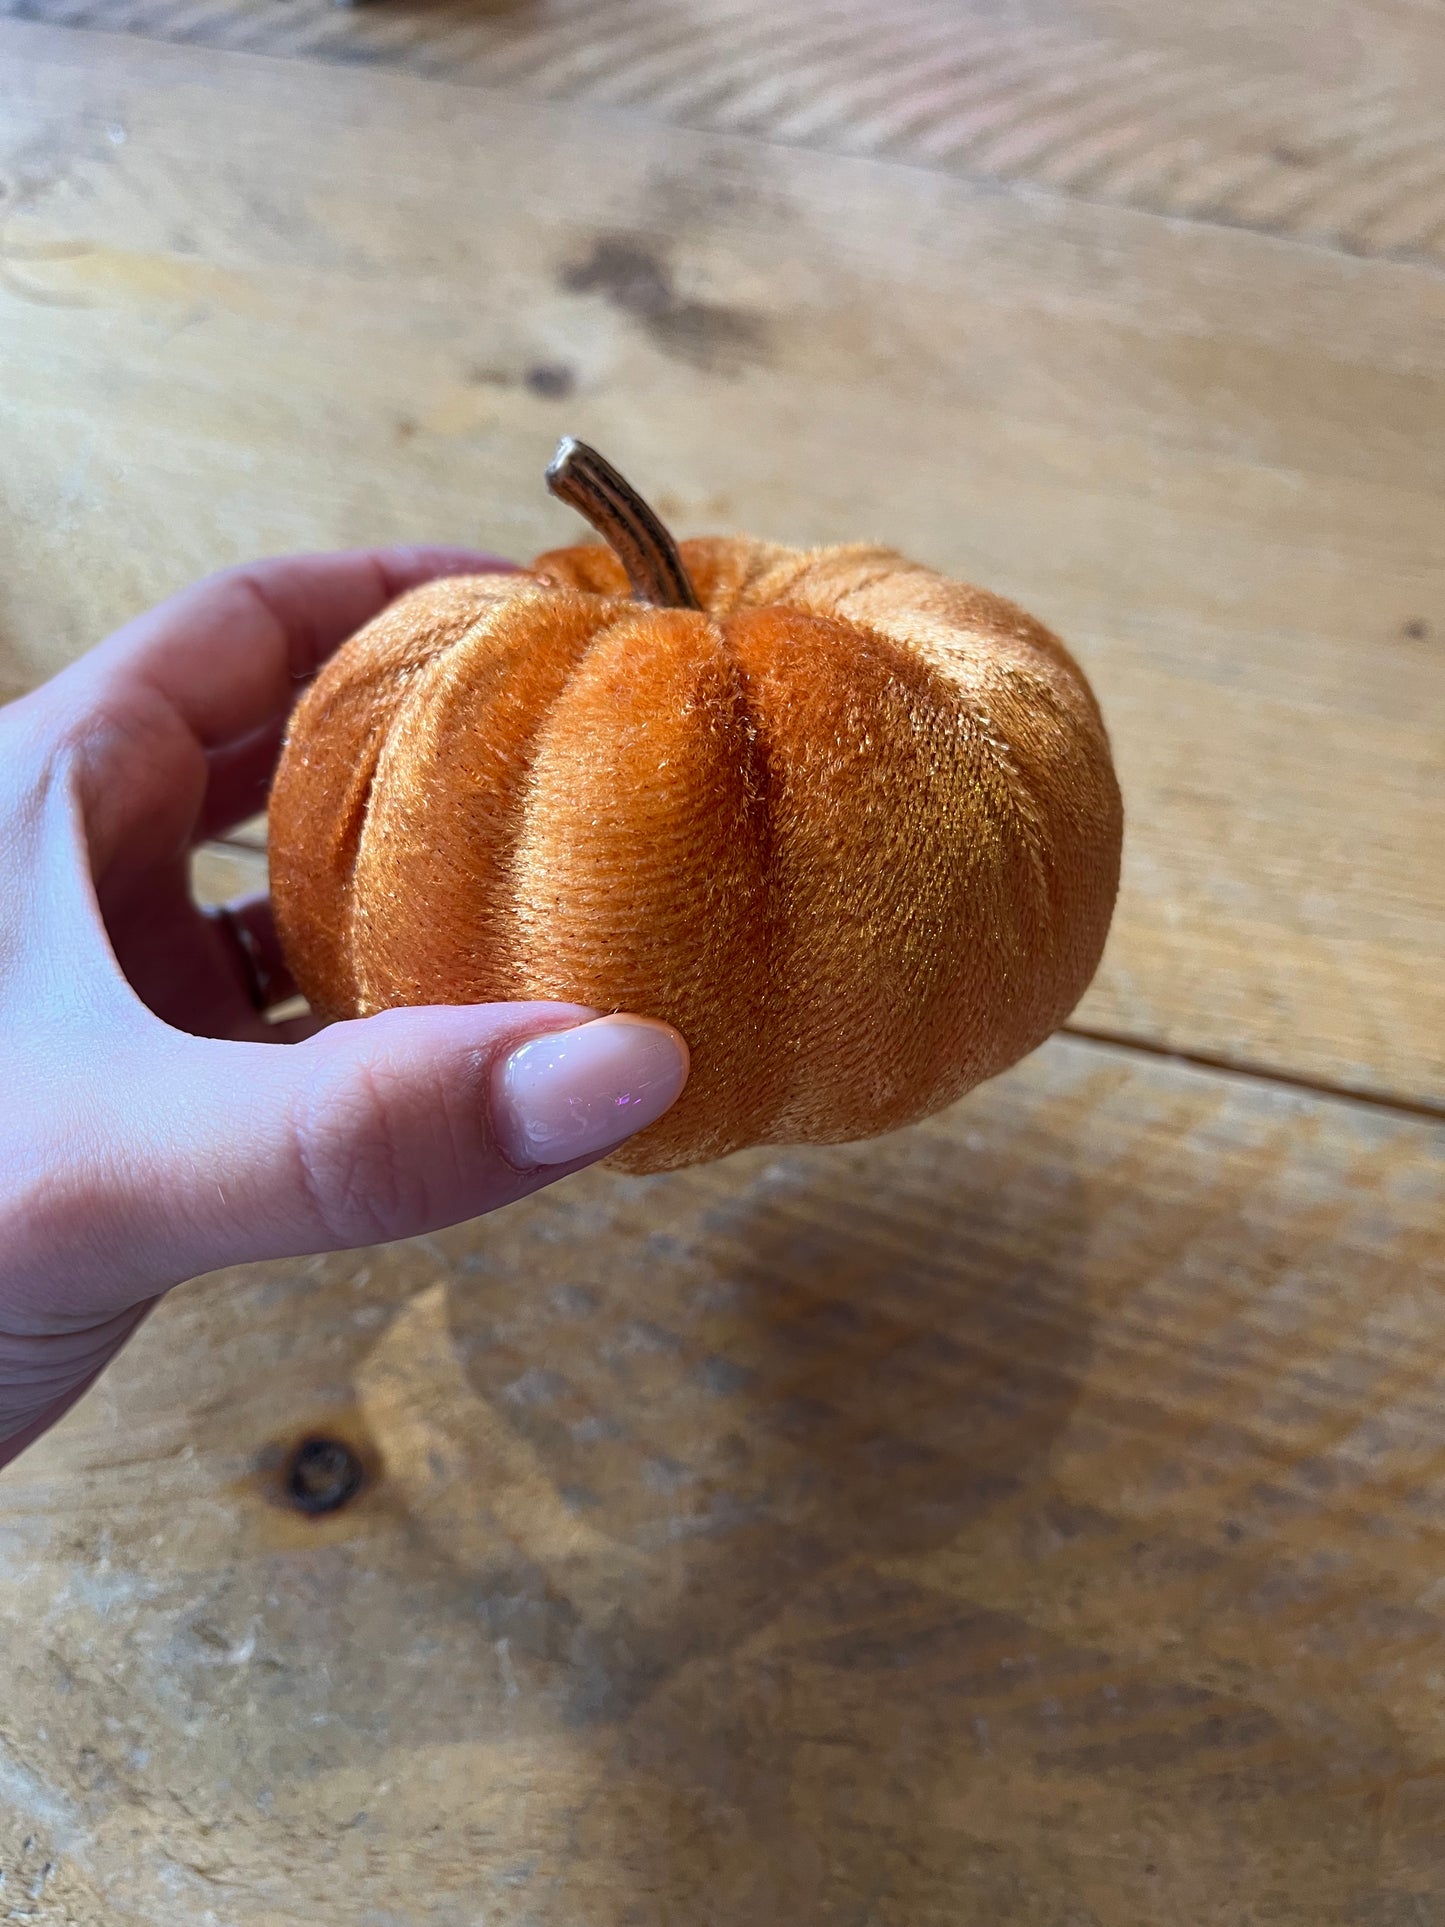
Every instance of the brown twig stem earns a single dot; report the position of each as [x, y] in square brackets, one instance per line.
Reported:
[580, 477]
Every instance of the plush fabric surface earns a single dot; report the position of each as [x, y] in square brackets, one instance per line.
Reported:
[854, 829]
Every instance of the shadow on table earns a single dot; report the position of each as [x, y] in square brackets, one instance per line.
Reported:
[848, 1360]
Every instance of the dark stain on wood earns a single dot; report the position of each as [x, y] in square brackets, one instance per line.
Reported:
[631, 272]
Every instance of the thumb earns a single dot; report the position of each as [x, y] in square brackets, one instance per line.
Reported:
[401, 1123]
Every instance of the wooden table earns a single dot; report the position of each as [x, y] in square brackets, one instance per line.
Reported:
[1035, 1518]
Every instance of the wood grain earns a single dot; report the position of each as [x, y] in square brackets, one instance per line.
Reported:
[1033, 1517]
[1322, 121]
[1210, 459]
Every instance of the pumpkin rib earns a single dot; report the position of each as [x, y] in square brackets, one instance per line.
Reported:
[315, 795]
[1013, 801]
[967, 673]
[418, 689]
[888, 569]
[974, 672]
[609, 621]
[825, 909]
[416, 685]
[488, 708]
[639, 869]
[1013, 792]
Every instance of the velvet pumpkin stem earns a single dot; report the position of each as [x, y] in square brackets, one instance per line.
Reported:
[580, 477]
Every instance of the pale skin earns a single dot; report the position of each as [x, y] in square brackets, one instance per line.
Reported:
[156, 1124]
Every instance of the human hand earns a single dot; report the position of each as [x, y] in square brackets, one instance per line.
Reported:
[157, 1124]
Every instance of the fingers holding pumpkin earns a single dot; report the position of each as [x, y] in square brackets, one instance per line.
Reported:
[241, 768]
[389, 1126]
[229, 654]
[179, 716]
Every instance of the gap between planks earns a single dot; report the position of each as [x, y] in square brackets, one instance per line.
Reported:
[1260, 1073]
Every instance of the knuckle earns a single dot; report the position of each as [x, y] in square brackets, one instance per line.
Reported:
[355, 1165]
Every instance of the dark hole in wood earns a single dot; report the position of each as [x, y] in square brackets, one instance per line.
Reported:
[323, 1475]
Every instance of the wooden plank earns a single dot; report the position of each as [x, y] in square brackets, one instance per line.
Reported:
[1213, 461]
[1324, 124]
[1033, 1517]
[220, 873]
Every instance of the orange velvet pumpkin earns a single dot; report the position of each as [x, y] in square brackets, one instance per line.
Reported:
[851, 826]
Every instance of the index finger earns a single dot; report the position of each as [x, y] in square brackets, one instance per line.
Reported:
[229, 654]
